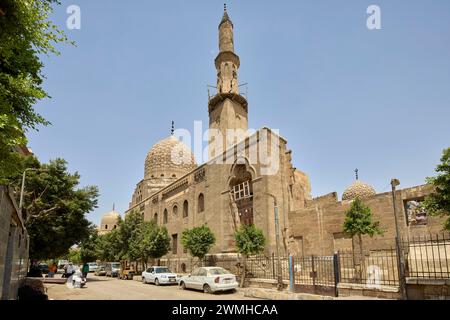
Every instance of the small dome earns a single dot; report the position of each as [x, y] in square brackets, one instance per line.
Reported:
[110, 218]
[358, 189]
[169, 158]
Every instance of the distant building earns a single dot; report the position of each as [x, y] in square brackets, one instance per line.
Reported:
[109, 222]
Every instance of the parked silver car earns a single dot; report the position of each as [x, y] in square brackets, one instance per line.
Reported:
[159, 275]
[209, 279]
[112, 269]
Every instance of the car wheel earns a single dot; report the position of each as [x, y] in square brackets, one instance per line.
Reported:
[207, 289]
[182, 285]
[157, 282]
[143, 280]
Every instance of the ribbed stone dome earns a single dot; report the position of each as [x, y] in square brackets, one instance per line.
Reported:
[358, 189]
[169, 158]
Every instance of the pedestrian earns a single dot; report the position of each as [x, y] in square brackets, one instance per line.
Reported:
[85, 270]
[70, 270]
[52, 270]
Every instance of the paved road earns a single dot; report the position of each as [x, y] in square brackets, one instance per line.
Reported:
[103, 288]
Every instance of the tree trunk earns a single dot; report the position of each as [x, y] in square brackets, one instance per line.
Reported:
[244, 271]
[360, 256]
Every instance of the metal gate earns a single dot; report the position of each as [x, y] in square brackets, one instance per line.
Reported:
[315, 275]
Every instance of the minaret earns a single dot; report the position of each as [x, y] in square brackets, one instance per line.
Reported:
[227, 109]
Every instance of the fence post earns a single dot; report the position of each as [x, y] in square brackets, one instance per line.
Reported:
[291, 273]
[313, 273]
[273, 265]
[337, 270]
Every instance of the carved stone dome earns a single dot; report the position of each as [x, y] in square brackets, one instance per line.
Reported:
[109, 221]
[169, 158]
[358, 189]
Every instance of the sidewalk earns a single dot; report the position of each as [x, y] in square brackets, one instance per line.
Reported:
[272, 294]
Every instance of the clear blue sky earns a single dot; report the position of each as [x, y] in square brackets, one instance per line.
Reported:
[343, 96]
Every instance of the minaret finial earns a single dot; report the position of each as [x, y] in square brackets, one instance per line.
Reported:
[225, 7]
[173, 128]
[356, 173]
[114, 205]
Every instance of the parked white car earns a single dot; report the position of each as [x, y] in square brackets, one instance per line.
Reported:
[92, 266]
[209, 279]
[159, 275]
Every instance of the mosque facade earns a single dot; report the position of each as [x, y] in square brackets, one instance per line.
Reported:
[234, 187]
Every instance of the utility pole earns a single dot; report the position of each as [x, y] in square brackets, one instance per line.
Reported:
[400, 258]
[277, 243]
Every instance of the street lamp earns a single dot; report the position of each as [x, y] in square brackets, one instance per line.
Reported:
[277, 243]
[400, 262]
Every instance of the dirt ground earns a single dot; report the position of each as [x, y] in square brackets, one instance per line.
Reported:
[103, 288]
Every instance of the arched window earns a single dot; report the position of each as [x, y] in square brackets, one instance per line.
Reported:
[201, 203]
[155, 217]
[106, 227]
[185, 209]
[165, 216]
[175, 210]
[114, 227]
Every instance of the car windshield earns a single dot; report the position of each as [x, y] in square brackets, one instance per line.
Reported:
[115, 265]
[217, 271]
[162, 270]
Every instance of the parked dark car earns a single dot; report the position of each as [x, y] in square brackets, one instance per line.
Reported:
[43, 267]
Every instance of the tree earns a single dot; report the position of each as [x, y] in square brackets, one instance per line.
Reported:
[198, 241]
[26, 33]
[249, 241]
[54, 209]
[89, 247]
[109, 247]
[152, 241]
[438, 203]
[358, 222]
[129, 230]
[74, 255]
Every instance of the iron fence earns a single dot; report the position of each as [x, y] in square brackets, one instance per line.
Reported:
[314, 270]
[374, 267]
[424, 257]
[427, 256]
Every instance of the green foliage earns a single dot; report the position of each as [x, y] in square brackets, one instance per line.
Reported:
[89, 247]
[249, 240]
[73, 256]
[25, 33]
[109, 246]
[438, 203]
[54, 208]
[134, 240]
[198, 241]
[129, 231]
[358, 220]
[152, 241]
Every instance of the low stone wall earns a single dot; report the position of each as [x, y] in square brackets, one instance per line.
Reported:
[382, 292]
[265, 283]
[269, 294]
[428, 289]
